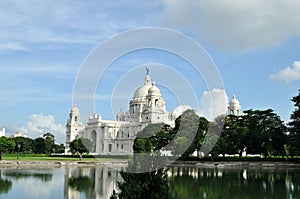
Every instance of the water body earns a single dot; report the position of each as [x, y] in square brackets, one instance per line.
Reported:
[185, 182]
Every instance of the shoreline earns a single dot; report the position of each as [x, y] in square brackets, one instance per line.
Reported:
[124, 163]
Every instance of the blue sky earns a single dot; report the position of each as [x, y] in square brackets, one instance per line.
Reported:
[254, 44]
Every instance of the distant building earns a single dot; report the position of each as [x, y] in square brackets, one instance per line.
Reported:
[18, 134]
[147, 106]
[2, 132]
[234, 107]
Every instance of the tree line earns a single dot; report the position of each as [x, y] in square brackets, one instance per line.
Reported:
[254, 132]
[40, 145]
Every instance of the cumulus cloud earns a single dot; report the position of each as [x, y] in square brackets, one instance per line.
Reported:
[291, 73]
[39, 124]
[180, 109]
[235, 25]
[213, 103]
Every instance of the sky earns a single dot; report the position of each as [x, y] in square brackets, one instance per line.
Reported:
[44, 46]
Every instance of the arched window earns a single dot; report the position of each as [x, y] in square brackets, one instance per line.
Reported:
[156, 102]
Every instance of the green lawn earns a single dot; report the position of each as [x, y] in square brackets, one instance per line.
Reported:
[43, 157]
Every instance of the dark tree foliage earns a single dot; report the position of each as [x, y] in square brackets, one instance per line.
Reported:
[256, 132]
[294, 128]
[150, 185]
[81, 146]
[189, 130]
[80, 183]
[234, 134]
[153, 137]
[59, 148]
[5, 186]
[266, 132]
[50, 142]
[23, 145]
[6, 145]
[211, 144]
[39, 145]
[151, 182]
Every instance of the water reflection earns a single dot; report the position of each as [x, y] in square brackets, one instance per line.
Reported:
[5, 185]
[93, 182]
[19, 174]
[186, 182]
[190, 182]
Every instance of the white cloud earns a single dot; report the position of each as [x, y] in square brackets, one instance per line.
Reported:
[213, 103]
[39, 124]
[291, 73]
[13, 46]
[180, 109]
[235, 25]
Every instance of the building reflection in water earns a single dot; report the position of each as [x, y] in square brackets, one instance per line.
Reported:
[93, 182]
[185, 182]
[192, 182]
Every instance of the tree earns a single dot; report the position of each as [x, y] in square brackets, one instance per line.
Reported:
[267, 132]
[149, 185]
[6, 145]
[49, 142]
[59, 148]
[189, 130]
[23, 145]
[144, 177]
[294, 128]
[235, 134]
[81, 146]
[39, 145]
[153, 137]
[209, 143]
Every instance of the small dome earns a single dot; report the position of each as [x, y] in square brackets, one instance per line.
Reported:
[234, 101]
[154, 90]
[75, 108]
[120, 114]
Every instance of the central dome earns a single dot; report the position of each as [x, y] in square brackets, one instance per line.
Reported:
[142, 91]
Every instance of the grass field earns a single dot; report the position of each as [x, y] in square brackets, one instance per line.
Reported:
[43, 157]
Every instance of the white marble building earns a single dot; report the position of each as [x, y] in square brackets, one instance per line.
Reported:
[234, 107]
[116, 137]
[2, 132]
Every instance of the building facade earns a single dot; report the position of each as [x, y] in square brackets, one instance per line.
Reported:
[147, 106]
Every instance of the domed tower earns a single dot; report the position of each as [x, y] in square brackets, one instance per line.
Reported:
[120, 116]
[155, 109]
[138, 101]
[234, 107]
[73, 127]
